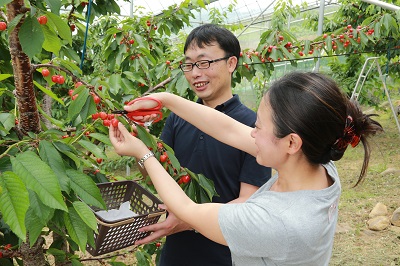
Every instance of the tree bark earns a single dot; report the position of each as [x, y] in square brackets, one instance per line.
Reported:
[23, 77]
[33, 256]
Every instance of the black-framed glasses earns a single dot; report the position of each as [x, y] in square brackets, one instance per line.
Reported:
[201, 64]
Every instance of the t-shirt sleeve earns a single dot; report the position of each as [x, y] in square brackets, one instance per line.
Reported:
[253, 173]
[252, 230]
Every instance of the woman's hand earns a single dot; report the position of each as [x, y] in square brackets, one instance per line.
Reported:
[126, 144]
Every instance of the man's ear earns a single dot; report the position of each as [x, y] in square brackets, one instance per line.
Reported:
[232, 62]
[295, 143]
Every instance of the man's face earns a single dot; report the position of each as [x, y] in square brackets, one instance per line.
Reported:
[210, 83]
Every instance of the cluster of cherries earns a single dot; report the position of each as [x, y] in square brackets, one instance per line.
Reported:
[108, 119]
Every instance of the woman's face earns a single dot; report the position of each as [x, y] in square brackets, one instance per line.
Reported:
[270, 149]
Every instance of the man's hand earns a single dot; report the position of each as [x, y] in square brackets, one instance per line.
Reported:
[170, 226]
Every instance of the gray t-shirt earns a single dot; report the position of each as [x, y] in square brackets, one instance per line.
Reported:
[283, 228]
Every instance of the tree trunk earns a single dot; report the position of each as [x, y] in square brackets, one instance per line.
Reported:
[33, 256]
[23, 77]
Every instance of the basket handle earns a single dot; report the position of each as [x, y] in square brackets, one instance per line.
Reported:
[130, 220]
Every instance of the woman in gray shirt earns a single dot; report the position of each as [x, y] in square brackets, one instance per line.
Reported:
[304, 123]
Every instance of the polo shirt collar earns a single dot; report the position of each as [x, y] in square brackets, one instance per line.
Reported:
[226, 106]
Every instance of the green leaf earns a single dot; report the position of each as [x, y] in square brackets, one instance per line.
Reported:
[77, 105]
[31, 36]
[14, 203]
[39, 177]
[182, 85]
[146, 137]
[85, 188]
[207, 185]
[76, 228]
[61, 26]
[92, 148]
[51, 119]
[4, 2]
[115, 83]
[5, 76]
[49, 154]
[49, 92]
[52, 42]
[76, 262]
[8, 120]
[55, 6]
[34, 226]
[86, 214]
[45, 213]
[101, 137]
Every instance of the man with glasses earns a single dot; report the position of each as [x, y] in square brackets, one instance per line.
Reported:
[211, 56]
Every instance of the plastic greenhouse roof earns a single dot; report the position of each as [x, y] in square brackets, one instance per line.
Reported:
[244, 9]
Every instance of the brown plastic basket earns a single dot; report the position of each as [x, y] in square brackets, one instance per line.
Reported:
[119, 234]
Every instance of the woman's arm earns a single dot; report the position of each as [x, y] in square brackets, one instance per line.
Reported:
[202, 217]
[208, 120]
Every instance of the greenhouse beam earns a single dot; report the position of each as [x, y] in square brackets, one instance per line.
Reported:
[383, 4]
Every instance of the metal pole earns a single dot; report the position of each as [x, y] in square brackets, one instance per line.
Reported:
[256, 18]
[382, 4]
[131, 9]
[320, 28]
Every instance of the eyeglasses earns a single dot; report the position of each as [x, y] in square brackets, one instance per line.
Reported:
[201, 64]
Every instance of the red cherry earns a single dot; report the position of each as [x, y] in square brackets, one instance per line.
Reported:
[97, 171]
[3, 26]
[148, 23]
[107, 123]
[158, 244]
[155, 27]
[95, 116]
[184, 179]
[72, 27]
[160, 145]
[65, 136]
[103, 115]
[61, 79]
[42, 20]
[325, 36]
[45, 72]
[78, 84]
[1, 254]
[280, 37]
[99, 160]
[96, 99]
[54, 78]
[70, 92]
[131, 41]
[163, 158]
[114, 122]
[7, 247]
[87, 133]
[100, 88]
[74, 97]
[168, 62]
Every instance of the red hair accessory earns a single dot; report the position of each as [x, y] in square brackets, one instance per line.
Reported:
[349, 136]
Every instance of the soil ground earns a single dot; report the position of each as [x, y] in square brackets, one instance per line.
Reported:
[354, 243]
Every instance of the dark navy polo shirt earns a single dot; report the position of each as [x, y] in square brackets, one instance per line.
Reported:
[225, 165]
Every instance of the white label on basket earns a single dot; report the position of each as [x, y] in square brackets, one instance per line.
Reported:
[123, 212]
